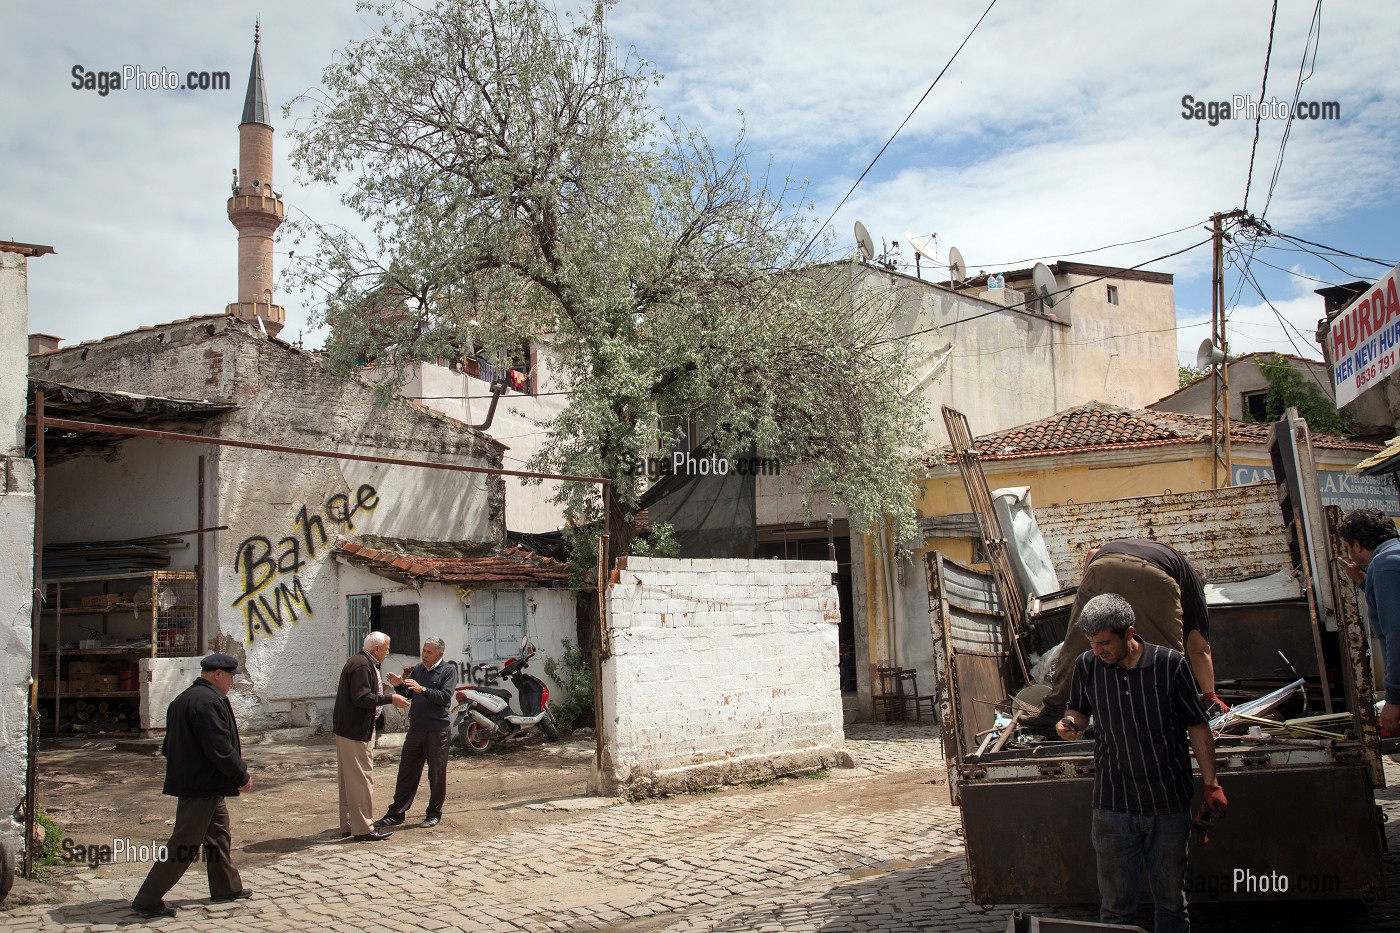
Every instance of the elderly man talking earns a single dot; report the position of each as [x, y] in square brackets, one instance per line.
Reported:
[357, 700]
[429, 690]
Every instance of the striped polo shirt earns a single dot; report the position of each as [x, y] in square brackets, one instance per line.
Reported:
[1142, 761]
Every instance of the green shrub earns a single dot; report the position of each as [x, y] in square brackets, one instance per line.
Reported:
[53, 840]
[574, 675]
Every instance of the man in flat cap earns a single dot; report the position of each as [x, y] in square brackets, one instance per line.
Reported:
[203, 765]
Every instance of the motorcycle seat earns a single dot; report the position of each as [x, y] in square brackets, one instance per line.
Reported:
[501, 692]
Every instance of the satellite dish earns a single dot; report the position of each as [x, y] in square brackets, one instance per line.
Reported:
[956, 267]
[923, 246]
[1043, 280]
[863, 242]
[1209, 355]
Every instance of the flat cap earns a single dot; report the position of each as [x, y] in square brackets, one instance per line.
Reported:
[220, 662]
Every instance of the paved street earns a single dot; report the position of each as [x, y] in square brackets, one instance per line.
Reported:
[870, 850]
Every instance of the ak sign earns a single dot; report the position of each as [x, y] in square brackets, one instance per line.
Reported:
[1345, 490]
[1366, 339]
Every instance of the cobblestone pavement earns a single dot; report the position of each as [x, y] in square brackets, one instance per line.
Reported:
[874, 849]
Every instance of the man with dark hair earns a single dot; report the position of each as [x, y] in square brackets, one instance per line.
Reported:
[1144, 705]
[1371, 543]
[429, 691]
[1169, 604]
[203, 765]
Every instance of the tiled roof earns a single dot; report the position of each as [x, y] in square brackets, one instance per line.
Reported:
[498, 568]
[1096, 426]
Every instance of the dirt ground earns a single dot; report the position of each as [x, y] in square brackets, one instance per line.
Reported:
[98, 791]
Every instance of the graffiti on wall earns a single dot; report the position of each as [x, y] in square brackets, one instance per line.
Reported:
[269, 573]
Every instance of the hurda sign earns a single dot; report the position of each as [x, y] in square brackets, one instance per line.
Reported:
[1366, 339]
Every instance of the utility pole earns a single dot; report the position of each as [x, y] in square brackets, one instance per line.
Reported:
[1220, 382]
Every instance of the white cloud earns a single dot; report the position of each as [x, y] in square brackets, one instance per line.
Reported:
[1057, 129]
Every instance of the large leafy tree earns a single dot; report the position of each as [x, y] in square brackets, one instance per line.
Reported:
[518, 183]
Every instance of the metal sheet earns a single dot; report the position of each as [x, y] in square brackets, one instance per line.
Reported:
[1231, 533]
[1028, 842]
[1245, 640]
[981, 683]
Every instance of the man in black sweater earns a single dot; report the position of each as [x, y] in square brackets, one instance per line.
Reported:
[429, 689]
[203, 765]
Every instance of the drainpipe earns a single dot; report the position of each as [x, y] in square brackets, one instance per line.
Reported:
[891, 618]
[497, 388]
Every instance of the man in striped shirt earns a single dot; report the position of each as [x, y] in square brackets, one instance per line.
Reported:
[1145, 705]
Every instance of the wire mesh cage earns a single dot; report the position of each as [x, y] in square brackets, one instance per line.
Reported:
[174, 604]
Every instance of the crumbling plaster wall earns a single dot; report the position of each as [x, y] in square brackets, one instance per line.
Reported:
[721, 671]
[272, 594]
[16, 550]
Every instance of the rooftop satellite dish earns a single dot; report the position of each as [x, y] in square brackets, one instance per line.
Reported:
[863, 242]
[1209, 355]
[924, 246]
[956, 267]
[1043, 280]
[923, 249]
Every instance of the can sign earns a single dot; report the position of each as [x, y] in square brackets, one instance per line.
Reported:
[1366, 339]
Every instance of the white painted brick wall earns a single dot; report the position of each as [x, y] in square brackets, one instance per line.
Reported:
[719, 663]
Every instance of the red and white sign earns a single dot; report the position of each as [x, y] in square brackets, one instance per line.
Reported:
[1366, 339]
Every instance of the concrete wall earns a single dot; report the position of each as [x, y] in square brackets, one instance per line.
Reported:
[721, 671]
[521, 424]
[1245, 379]
[284, 512]
[16, 550]
[550, 617]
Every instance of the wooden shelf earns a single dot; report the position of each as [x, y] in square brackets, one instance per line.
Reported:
[110, 694]
[93, 611]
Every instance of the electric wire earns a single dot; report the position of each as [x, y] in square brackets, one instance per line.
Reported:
[1259, 114]
[901, 126]
[1023, 304]
[1255, 284]
[1082, 252]
[1339, 252]
[1315, 25]
[1293, 273]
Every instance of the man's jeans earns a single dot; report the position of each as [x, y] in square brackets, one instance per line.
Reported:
[1127, 843]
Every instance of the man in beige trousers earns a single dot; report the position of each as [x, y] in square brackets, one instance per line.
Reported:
[357, 700]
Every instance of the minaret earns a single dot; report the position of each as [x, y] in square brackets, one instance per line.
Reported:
[255, 209]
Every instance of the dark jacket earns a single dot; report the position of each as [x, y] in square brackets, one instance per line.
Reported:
[203, 757]
[358, 698]
[427, 711]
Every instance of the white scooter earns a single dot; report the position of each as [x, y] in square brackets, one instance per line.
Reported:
[484, 714]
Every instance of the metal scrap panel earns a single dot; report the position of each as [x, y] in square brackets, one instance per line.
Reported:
[1231, 533]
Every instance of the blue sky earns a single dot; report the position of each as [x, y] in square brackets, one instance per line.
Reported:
[1058, 129]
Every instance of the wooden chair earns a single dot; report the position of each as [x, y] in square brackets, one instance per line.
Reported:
[899, 690]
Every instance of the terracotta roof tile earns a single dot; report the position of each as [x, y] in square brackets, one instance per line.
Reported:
[497, 567]
[1096, 426]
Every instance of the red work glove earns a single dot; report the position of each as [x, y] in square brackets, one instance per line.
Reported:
[1215, 798]
[1210, 813]
[1211, 697]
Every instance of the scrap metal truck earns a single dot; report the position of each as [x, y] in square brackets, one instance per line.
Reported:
[1302, 823]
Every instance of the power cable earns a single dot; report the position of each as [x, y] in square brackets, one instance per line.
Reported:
[901, 126]
[1023, 304]
[1255, 284]
[1259, 114]
[1316, 24]
[1082, 252]
[1340, 252]
[1291, 272]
